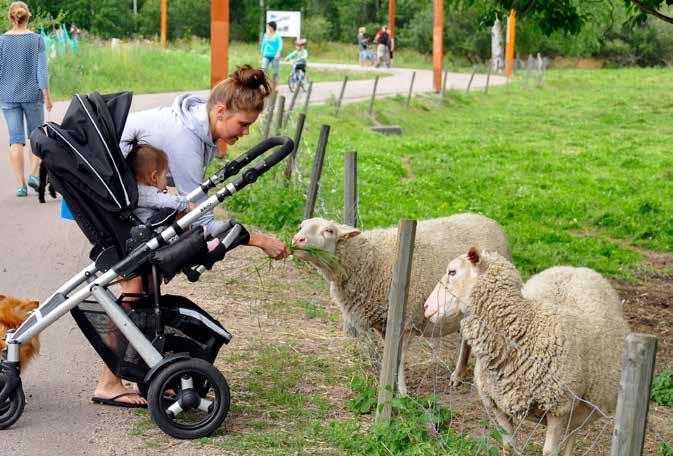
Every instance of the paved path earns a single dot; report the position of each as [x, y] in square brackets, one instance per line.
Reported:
[39, 252]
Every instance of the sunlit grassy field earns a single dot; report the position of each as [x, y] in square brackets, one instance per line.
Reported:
[576, 171]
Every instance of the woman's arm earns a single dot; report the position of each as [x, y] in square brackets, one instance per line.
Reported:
[43, 73]
[273, 247]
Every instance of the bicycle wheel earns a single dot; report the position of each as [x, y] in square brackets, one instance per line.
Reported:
[303, 80]
[292, 82]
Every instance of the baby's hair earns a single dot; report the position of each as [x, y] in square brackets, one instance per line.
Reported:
[18, 13]
[144, 159]
[244, 90]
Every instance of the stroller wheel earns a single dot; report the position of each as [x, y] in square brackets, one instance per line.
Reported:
[12, 408]
[198, 401]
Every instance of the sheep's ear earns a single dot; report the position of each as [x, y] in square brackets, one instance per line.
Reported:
[473, 256]
[346, 232]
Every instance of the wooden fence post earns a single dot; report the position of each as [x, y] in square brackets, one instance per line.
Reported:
[469, 84]
[397, 303]
[411, 88]
[269, 115]
[297, 138]
[308, 95]
[634, 395]
[279, 116]
[529, 67]
[371, 102]
[317, 172]
[351, 189]
[341, 95]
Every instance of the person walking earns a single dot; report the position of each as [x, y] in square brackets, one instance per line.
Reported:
[362, 47]
[24, 90]
[383, 47]
[272, 46]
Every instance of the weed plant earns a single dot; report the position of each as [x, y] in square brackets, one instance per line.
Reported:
[662, 388]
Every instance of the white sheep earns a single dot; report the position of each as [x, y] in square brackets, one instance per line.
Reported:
[360, 284]
[552, 348]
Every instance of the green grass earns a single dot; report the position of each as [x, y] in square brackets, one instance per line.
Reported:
[144, 67]
[575, 171]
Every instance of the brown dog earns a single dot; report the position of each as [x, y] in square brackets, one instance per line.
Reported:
[13, 312]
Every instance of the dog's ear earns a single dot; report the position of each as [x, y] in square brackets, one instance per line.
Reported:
[3, 297]
[33, 304]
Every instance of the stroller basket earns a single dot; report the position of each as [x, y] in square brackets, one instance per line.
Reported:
[187, 329]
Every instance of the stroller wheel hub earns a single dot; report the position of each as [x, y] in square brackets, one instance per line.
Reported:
[189, 399]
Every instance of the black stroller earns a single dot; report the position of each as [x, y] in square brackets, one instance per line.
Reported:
[167, 344]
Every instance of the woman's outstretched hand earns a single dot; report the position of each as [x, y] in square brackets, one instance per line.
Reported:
[271, 246]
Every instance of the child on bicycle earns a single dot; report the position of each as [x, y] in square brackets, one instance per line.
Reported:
[300, 56]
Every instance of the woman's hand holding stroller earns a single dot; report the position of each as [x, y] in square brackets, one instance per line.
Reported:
[273, 247]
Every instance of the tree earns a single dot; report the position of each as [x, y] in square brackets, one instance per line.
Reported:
[640, 9]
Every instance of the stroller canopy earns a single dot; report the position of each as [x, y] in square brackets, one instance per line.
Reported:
[86, 166]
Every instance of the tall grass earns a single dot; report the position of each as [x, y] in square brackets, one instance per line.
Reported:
[144, 67]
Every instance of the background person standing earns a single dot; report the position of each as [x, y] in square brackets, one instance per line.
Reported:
[24, 90]
[272, 45]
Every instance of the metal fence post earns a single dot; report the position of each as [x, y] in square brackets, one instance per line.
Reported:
[469, 84]
[634, 395]
[488, 79]
[351, 189]
[411, 88]
[317, 172]
[529, 67]
[279, 116]
[308, 95]
[371, 102]
[291, 107]
[397, 303]
[297, 138]
[341, 95]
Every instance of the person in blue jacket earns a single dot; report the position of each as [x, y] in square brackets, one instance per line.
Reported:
[272, 45]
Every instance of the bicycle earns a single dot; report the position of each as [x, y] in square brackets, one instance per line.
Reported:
[298, 78]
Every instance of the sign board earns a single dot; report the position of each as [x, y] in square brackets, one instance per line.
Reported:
[289, 22]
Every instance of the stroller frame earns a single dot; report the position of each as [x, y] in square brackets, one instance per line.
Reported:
[94, 280]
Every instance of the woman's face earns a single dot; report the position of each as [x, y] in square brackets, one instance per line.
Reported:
[229, 127]
[271, 30]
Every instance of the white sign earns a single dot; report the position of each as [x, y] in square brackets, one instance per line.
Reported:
[289, 22]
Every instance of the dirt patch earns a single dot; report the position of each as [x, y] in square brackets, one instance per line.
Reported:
[567, 62]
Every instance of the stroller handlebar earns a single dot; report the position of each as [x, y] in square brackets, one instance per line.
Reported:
[233, 167]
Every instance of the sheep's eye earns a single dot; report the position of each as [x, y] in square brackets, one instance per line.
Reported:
[452, 272]
[329, 231]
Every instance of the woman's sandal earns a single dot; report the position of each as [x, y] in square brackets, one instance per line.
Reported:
[115, 402]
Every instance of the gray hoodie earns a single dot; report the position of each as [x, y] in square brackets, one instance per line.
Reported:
[183, 132]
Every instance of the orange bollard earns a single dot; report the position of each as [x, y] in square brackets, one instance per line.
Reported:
[509, 47]
[438, 44]
[164, 13]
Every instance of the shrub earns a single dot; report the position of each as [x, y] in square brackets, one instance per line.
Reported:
[662, 388]
[316, 28]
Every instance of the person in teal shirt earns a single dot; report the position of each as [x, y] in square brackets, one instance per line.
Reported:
[272, 45]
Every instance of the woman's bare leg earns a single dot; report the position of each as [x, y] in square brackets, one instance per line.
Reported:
[109, 385]
[16, 158]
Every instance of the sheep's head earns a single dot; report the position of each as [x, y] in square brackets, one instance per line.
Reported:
[321, 234]
[452, 294]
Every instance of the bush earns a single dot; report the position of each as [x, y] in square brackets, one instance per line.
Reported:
[662, 388]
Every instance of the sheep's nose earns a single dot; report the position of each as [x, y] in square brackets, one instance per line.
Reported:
[299, 240]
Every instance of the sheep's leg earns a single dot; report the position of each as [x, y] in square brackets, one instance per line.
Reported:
[505, 422]
[555, 429]
[458, 374]
[570, 444]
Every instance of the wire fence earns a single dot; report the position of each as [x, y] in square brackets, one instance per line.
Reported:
[429, 361]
